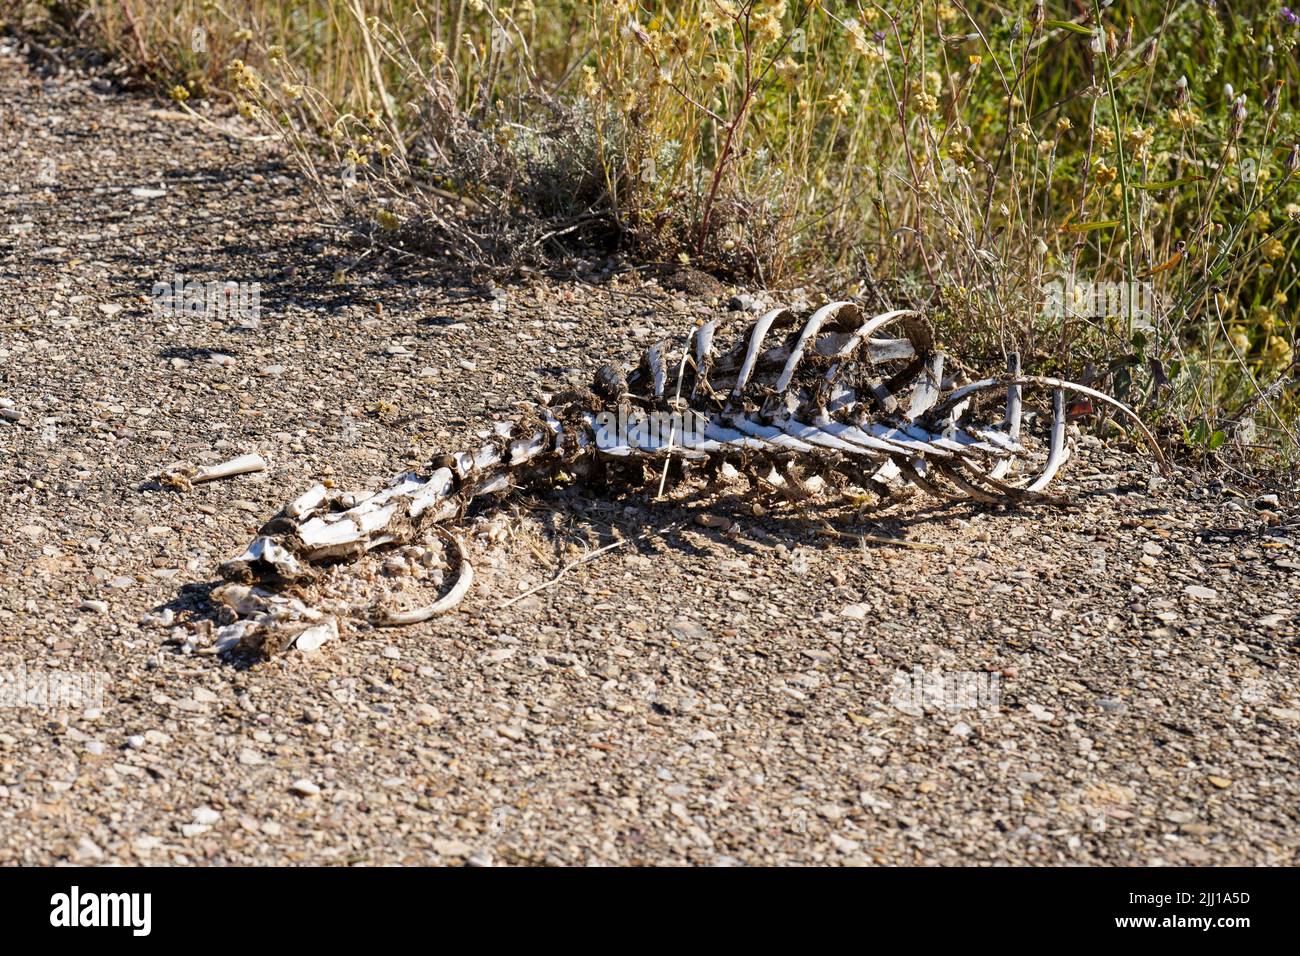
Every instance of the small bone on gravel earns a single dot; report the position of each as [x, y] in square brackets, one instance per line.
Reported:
[243, 465]
[184, 476]
[317, 635]
[307, 502]
[386, 617]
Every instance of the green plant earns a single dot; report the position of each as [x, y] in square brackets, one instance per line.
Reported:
[977, 160]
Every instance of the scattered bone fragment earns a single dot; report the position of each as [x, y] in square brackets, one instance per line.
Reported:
[269, 623]
[388, 617]
[307, 502]
[800, 405]
[314, 637]
[183, 477]
[264, 558]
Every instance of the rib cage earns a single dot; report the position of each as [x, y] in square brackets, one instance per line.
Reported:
[830, 393]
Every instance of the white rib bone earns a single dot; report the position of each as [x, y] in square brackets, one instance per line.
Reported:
[856, 435]
[805, 421]
[817, 436]
[926, 391]
[1000, 470]
[753, 348]
[654, 357]
[863, 332]
[809, 331]
[728, 435]
[769, 434]
[1059, 451]
[966, 391]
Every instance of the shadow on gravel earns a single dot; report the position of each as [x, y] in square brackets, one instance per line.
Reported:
[719, 520]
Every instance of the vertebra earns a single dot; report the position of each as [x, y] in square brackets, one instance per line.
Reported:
[782, 399]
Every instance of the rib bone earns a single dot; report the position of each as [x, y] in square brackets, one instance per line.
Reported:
[829, 394]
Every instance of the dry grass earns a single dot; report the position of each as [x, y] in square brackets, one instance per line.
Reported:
[1007, 168]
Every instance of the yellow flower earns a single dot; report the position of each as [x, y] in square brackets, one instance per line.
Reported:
[387, 219]
[1184, 119]
[1138, 137]
[1278, 351]
[246, 109]
[1139, 142]
[275, 52]
[1240, 340]
[840, 102]
[1273, 249]
[1105, 137]
[589, 84]
[243, 76]
[722, 72]
[925, 103]
[767, 28]
[1105, 174]
[788, 69]
[858, 40]
[180, 94]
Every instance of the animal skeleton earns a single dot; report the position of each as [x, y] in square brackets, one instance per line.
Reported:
[800, 399]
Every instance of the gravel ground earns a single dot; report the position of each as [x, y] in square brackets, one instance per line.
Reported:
[742, 691]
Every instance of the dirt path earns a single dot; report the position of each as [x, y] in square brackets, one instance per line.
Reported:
[707, 696]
